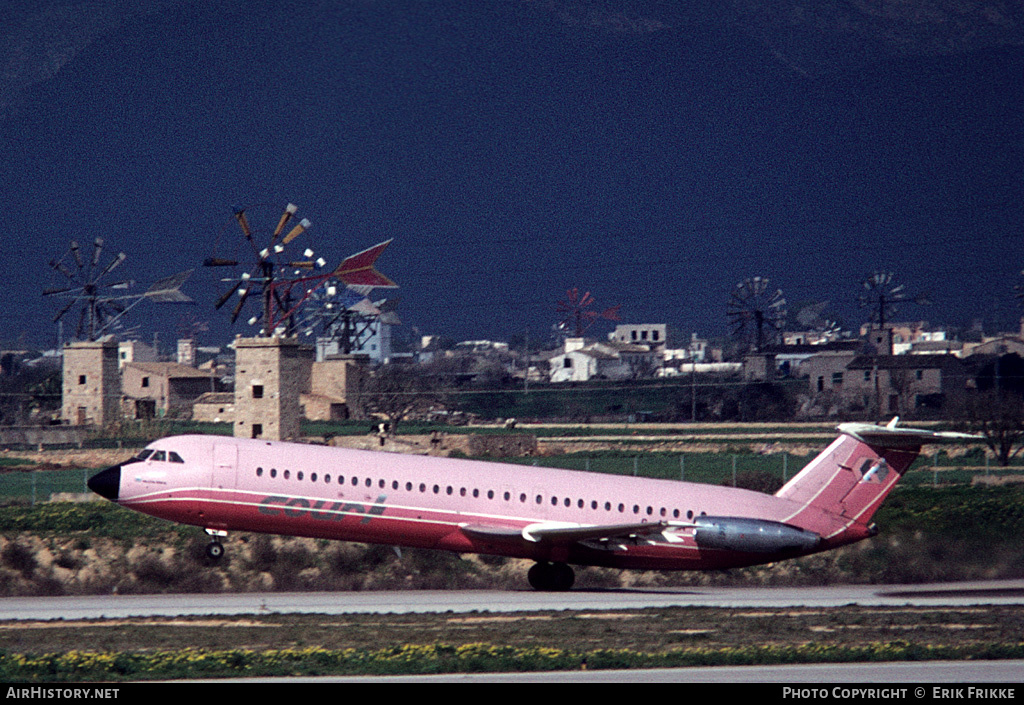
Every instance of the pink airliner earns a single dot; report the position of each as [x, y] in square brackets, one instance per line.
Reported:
[554, 517]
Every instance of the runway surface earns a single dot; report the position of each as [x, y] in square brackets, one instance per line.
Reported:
[1009, 592]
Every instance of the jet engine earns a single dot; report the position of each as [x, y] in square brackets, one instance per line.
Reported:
[752, 535]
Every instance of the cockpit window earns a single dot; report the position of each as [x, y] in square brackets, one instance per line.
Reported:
[160, 455]
[145, 453]
[174, 457]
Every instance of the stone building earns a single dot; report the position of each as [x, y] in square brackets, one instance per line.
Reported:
[270, 375]
[91, 393]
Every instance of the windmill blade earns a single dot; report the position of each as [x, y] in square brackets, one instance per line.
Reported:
[302, 227]
[219, 262]
[289, 211]
[114, 264]
[60, 290]
[243, 223]
[97, 248]
[81, 323]
[76, 254]
[243, 296]
[59, 266]
[64, 310]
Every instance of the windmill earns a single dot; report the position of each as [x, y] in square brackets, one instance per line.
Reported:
[345, 317]
[756, 313]
[576, 313]
[809, 318]
[282, 285]
[100, 303]
[882, 295]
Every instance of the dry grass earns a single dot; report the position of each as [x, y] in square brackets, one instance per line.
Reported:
[649, 630]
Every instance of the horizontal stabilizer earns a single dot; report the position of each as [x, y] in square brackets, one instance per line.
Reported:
[891, 436]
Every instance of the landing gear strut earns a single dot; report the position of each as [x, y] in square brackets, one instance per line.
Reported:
[215, 549]
[551, 577]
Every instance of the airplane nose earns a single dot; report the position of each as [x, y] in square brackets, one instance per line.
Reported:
[106, 483]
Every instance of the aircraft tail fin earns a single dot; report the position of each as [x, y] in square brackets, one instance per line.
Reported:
[850, 479]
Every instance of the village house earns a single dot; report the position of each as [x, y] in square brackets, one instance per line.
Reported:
[580, 362]
[158, 389]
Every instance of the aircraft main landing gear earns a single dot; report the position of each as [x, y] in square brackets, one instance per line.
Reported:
[551, 577]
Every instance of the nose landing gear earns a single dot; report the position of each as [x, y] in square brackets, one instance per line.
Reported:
[215, 549]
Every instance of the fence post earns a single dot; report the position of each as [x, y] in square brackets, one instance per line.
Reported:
[682, 468]
[734, 470]
[636, 463]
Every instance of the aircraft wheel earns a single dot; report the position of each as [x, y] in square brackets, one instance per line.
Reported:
[215, 550]
[551, 577]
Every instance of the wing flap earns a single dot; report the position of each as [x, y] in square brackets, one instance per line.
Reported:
[556, 532]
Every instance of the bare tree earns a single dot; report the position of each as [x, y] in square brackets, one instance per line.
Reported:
[396, 393]
[998, 415]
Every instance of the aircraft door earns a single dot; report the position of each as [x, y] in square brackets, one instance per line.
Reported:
[225, 466]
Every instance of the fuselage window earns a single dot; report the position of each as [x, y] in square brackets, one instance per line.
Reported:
[554, 501]
[394, 484]
[408, 487]
[476, 493]
[607, 506]
[423, 487]
[437, 489]
[355, 481]
[273, 472]
[490, 494]
[462, 491]
[287, 474]
[259, 472]
[622, 508]
[299, 475]
[522, 497]
[312, 478]
[580, 504]
[369, 482]
[539, 499]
